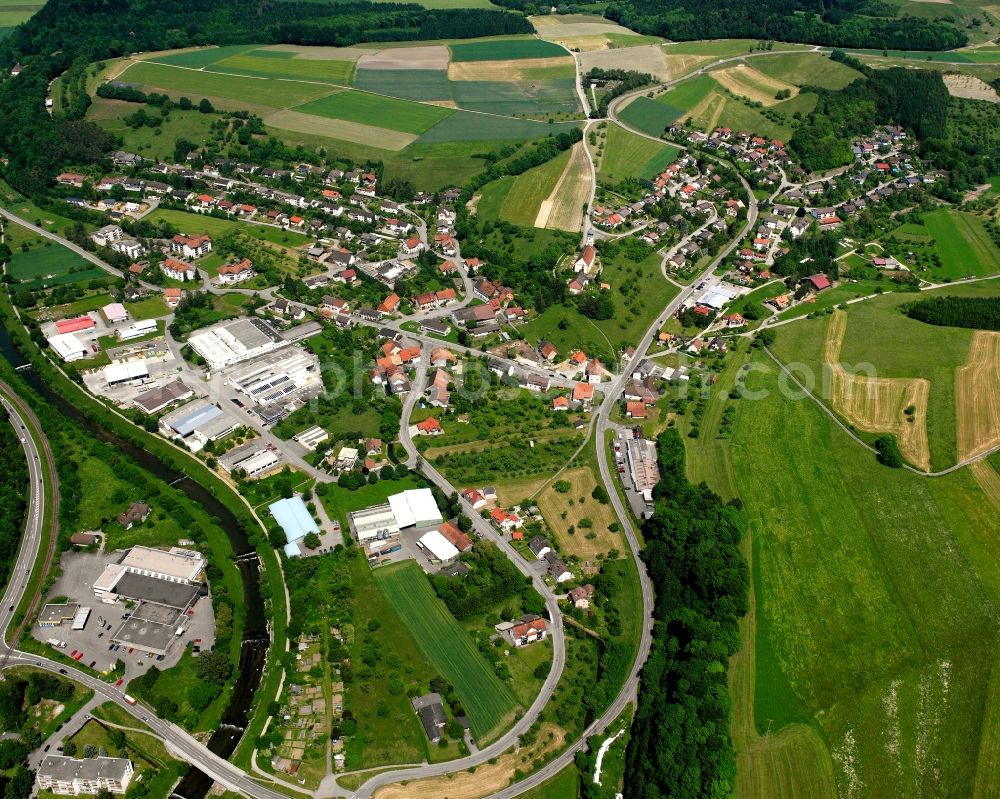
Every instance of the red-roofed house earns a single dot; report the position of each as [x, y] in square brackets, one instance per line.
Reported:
[583, 392]
[474, 498]
[413, 245]
[635, 410]
[171, 297]
[456, 537]
[389, 305]
[560, 403]
[586, 259]
[429, 427]
[191, 246]
[524, 632]
[818, 281]
[236, 272]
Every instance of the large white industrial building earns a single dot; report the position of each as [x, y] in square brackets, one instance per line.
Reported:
[232, 342]
[413, 508]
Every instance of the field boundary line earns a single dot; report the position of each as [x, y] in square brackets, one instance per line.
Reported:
[207, 71]
[832, 414]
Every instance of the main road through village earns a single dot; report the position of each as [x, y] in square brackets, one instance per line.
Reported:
[233, 778]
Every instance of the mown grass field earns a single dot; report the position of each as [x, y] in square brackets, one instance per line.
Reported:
[446, 645]
[530, 189]
[504, 49]
[201, 223]
[875, 597]
[627, 155]
[48, 259]
[231, 92]
[269, 64]
[962, 243]
[806, 69]
[384, 112]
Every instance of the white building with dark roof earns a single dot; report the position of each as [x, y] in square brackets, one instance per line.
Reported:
[71, 777]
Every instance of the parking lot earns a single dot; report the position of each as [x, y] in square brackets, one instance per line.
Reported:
[92, 646]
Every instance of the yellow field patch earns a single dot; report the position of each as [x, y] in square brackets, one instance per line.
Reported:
[977, 396]
[989, 481]
[748, 82]
[483, 780]
[563, 210]
[679, 65]
[708, 112]
[645, 58]
[970, 87]
[552, 504]
[878, 404]
[510, 69]
[340, 129]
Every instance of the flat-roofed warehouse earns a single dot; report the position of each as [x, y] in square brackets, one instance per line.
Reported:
[643, 466]
[118, 373]
[415, 508]
[232, 342]
[277, 375]
[375, 522]
[197, 423]
[254, 458]
[156, 399]
[55, 614]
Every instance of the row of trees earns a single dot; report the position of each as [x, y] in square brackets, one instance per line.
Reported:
[680, 744]
[13, 494]
[492, 580]
[981, 313]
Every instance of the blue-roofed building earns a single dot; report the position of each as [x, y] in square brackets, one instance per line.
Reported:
[197, 423]
[294, 518]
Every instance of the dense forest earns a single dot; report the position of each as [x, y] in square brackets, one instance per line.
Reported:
[680, 745]
[980, 313]
[67, 34]
[13, 496]
[836, 23]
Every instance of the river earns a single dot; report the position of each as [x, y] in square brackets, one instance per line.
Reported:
[256, 637]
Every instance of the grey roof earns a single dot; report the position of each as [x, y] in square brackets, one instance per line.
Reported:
[91, 768]
[189, 418]
[153, 400]
[153, 589]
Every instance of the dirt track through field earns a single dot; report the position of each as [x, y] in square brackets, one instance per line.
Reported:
[877, 404]
[977, 396]
[563, 209]
[749, 82]
[483, 780]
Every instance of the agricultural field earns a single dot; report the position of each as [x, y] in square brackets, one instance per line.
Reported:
[424, 111]
[626, 155]
[873, 616]
[807, 69]
[948, 245]
[489, 703]
[564, 208]
[526, 193]
[587, 33]
[878, 404]
[47, 264]
[648, 58]
[977, 396]
[13, 13]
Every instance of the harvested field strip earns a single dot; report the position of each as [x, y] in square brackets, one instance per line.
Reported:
[505, 49]
[309, 52]
[877, 405]
[510, 69]
[530, 189]
[488, 702]
[371, 109]
[977, 396]
[425, 57]
[469, 126]
[648, 58]
[340, 129]
[970, 87]
[568, 198]
[748, 82]
[989, 481]
[483, 780]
